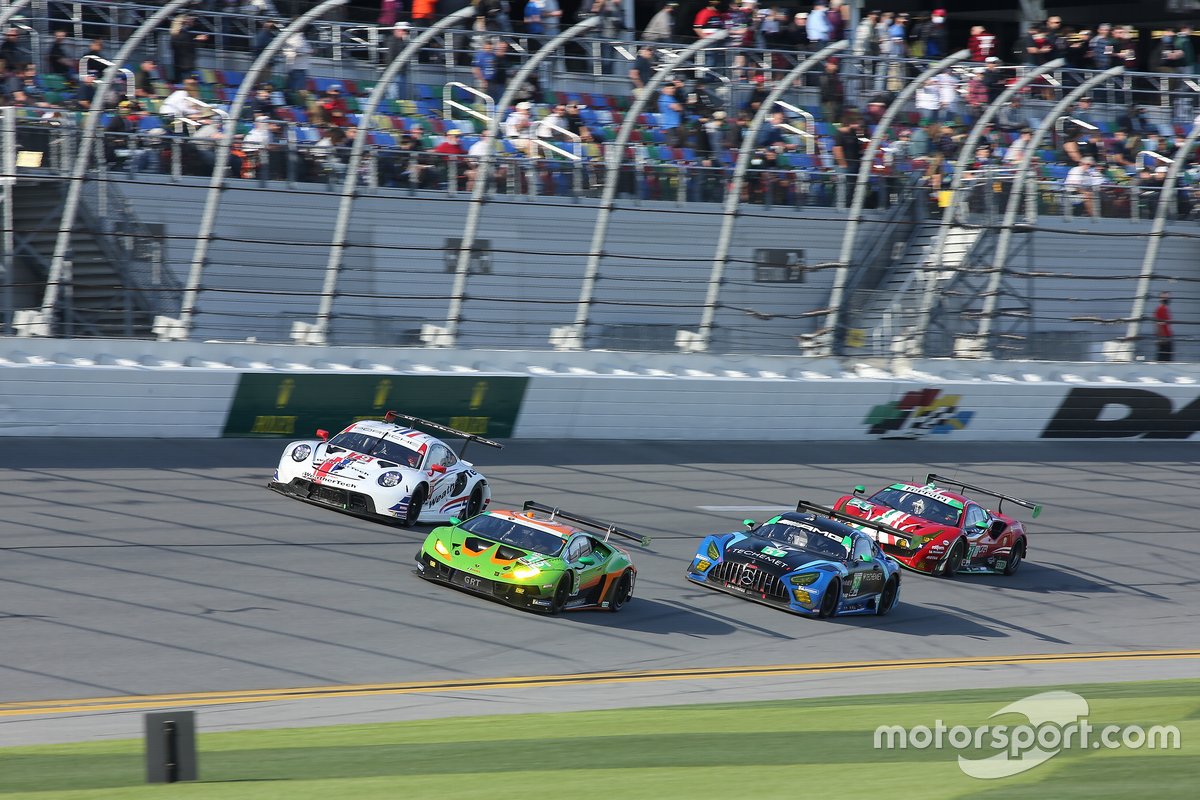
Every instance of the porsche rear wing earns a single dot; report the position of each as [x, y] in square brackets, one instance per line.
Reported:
[932, 478]
[392, 416]
[607, 528]
[872, 529]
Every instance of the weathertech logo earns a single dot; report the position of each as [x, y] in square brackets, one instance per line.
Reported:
[918, 413]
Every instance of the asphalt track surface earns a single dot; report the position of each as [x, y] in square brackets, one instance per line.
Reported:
[162, 567]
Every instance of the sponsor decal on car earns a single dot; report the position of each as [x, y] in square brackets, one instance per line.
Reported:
[918, 413]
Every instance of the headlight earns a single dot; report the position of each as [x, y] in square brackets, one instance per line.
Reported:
[301, 452]
[807, 579]
[524, 572]
[441, 548]
[713, 553]
[389, 479]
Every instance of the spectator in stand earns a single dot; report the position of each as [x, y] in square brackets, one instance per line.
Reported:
[501, 70]
[642, 70]
[12, 50]
[1034, 47]
[262, 104]
[1083, 183]
[758, 94]
[848, 147]
[977, 94]
[551, 17]
[1164, 337]
[93, 67]
[702, 24]
[450, 153]
[928, 101]
[699, 101]
[396, 44]
[1016, 150]
[334, 106]
[484, 68]
[670, 112]
[837, 15]
[267, 31]
[866, 42]
[118, 130]
[423, 12]
[1166, 58]
[1013, 117]
[934, 36]
[552, 124]
[661, 27]
[184, 103]
[533, 17]
[184, 41]
[832, 92]
[61, 58]
[1056, 36]
[981, 44]
[573, 119]
[1117, 152]
[1184, 44]
[389, 13]
[993, 79]
[145, 79]
[297, 55]
[817, 26]
[518, 128]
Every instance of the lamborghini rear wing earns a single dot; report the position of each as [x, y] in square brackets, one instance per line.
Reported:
[1034, 507]
[392, 416]
[607, 528]
[872, 529]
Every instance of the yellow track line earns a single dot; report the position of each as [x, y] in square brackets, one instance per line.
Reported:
[137, 702]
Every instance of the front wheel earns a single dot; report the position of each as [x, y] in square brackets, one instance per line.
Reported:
[830, 600]
[954, 559]
[887, 600]
[623, 592]
[415, 504]
[561, 594]
[1014, 557]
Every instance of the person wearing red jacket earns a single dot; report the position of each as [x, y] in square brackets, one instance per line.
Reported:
[1163, 334]
[335, 108]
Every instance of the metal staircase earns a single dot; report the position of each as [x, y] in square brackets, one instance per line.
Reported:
[116, 283]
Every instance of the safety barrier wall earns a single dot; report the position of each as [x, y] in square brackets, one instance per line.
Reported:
[597, 396]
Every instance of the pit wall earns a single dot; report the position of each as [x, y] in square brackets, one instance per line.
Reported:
[210, 390]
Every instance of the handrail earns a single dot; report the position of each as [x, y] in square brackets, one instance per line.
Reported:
[542, 143]
[809, 137]
[448, 102]
[130, 88]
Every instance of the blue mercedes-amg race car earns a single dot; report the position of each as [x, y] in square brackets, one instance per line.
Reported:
[809, 562]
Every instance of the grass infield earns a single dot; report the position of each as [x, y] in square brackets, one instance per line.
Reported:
[817, 747]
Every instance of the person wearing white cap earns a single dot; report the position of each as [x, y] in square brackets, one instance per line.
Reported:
[396, 44]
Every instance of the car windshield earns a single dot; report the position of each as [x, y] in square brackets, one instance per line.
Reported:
[808, 537]
[511, 532]
[918, 504]
[384, 449]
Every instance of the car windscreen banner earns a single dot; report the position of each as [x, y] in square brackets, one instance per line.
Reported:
[294, 405]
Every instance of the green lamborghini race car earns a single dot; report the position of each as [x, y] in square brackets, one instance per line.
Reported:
[541, 558]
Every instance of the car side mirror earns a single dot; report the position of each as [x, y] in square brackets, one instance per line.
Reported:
[860, 489]
[323, 435]
[865, 557]
[587, 561]
[436, 468]
[749, 523]
[455, 521]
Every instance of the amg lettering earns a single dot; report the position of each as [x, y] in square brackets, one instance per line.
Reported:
[1119, 413]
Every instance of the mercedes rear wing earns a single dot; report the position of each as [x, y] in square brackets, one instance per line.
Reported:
[933, 478]
[872, 529]
[467, 438]
[607, 528]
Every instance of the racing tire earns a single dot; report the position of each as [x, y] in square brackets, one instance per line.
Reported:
[949, 566]
[414, 507]
[830, 600]
[1015, 556]
[887, 598]
[622, 593]
[562, 593]
[475, 504]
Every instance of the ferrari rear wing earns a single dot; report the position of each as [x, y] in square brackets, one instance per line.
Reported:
[1034, 507]
[868, 527]
[392, 416]
[607, 528]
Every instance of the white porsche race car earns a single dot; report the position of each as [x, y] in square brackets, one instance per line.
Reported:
[387, 472]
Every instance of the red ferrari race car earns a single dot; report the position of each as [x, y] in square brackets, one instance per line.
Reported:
[947, 532]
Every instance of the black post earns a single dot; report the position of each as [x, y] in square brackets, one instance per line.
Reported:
[170, 747]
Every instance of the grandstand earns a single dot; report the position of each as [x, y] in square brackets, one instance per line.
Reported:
[921, 257]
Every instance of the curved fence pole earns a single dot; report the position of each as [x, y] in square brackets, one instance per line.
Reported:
[734, 197]
[860, 192]
[10, 11]
[991, 294]
[1166, 201]
[483, 175]
[960, 165]
[217, 183]
[83, 156]
[337, 249]
[612, 176]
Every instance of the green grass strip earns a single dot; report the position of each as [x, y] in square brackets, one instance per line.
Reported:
[787, 748]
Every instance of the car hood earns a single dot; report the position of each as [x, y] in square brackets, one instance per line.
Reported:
[486, 557]
[773, 557]
[353, 466]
